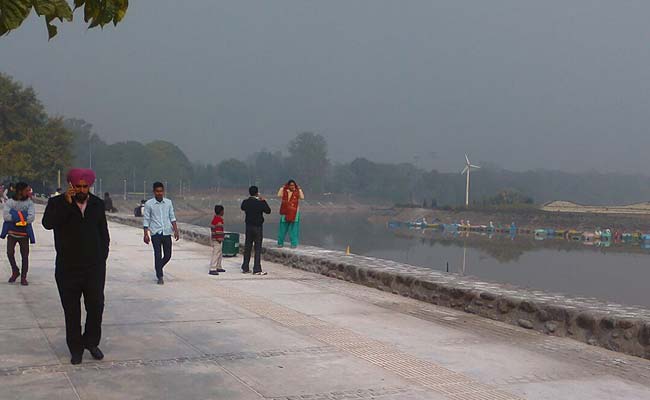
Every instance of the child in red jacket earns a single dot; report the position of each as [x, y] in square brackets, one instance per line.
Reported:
[216, 229]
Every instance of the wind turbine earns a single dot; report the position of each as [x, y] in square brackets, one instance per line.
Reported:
[468, 169]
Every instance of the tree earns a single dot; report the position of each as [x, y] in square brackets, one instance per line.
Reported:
[50, 150]
[393, 182]
[119, 161]
[85, 144]
[268, 169]
[96, 12]
[32, 145]
[508, 197]
[233, 172]
[308, 160]
[166, 160]
[139, 163]
[19, 108]
[204, 176]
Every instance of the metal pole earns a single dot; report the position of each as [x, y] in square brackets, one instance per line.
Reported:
[467, 188]
[464, 258]
[144, 189]
[100, 185]
[125, 190]
[90, 153]
[133, 180]
[58, 179]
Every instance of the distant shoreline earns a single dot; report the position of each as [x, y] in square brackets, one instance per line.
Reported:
[531, 218]
[571, 207]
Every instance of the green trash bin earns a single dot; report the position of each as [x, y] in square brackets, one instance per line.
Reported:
[230, 244]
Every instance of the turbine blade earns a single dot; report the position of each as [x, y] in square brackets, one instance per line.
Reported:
[475, 166]
[465, 170]
[467, 159]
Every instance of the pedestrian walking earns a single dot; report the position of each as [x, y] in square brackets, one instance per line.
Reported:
[18, 215]
[81, 240]
[254, 207]
[159, 224]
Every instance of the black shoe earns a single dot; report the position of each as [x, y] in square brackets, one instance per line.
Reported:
[95, 352]
[246, 272]
[14, 276]
[161, 281]
[221, 270]
[214, 272]
[76, 359]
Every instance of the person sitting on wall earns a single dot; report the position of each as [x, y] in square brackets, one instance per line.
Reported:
[108, 203]
[139, 210]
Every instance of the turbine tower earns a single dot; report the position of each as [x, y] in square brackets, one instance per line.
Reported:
[467, 169]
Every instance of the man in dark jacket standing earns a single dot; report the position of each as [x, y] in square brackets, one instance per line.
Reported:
[254, 207]
[81, 240]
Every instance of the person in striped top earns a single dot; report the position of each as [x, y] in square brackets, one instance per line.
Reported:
[216, 229]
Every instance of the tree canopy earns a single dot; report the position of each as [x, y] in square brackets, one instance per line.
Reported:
[33, 146]
[307, 160]
[96, 12]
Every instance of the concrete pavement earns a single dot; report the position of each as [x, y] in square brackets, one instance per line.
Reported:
[289, 335]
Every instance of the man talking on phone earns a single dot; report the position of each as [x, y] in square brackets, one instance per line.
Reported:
[81, 239]
[254, 207]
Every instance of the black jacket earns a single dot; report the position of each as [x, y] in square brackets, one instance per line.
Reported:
[80, 241]
[254, 207]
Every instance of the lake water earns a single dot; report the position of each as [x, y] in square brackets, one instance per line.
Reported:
[610, 274]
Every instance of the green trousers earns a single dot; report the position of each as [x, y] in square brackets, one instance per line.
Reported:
[293, 228]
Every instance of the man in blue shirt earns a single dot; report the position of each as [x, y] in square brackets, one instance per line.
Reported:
[159, 223]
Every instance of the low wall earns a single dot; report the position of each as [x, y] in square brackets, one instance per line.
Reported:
[612, 326]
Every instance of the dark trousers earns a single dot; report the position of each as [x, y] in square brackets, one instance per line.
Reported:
[24, 254]
[253, 239]
[162, 252]
[89, 283]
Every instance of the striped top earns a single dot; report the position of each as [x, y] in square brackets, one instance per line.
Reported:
[216, 228]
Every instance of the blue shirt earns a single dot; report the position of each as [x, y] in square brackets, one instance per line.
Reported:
[158, 216]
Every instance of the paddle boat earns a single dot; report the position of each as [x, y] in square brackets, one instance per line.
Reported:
[606, 235]
[589, 237]
[541, 233]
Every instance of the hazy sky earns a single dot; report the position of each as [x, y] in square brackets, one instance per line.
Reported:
[556, 84]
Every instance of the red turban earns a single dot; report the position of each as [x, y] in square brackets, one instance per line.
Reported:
[77, 174]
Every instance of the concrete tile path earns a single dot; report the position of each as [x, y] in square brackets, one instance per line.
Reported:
[288, 335]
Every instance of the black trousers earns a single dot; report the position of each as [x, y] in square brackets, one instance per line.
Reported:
[24, 254]
[89, 283]
[254, 236]
[162, 252]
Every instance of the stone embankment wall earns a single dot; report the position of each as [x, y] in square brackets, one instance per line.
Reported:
[612, 326]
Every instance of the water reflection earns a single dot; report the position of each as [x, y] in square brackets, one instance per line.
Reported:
[617, 273]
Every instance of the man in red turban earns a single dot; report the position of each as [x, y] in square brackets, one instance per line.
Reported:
[81, 239]
[76, 175]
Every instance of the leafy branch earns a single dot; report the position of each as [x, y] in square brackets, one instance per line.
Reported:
[96, 12]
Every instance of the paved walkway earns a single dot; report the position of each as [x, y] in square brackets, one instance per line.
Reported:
[289, 335]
